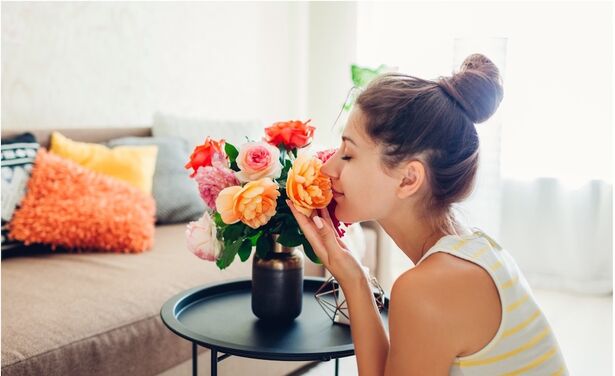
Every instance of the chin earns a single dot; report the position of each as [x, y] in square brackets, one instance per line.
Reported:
[344, 217]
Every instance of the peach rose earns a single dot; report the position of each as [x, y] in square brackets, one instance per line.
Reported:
[258, 160]
[254, 204]
[293, 134]
[306, 186]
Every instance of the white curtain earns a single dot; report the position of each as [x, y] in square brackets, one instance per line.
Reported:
[545, 182]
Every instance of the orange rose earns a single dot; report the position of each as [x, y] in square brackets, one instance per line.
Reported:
[204, 155]
[254, 204]
[293, 134]
[306, 186]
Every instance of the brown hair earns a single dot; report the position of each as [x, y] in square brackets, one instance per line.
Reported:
[433, 121]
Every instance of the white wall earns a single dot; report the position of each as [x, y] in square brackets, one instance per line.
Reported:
[98, 64]
[332, 49]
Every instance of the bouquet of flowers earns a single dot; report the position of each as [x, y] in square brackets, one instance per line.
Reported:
[246, 190]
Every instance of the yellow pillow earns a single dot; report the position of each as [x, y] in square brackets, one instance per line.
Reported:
[133, 164]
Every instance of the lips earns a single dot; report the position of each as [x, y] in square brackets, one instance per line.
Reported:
[336, 193]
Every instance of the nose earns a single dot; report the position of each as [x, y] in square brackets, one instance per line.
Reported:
[331, 167]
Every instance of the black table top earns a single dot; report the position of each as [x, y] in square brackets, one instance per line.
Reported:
[219, 317]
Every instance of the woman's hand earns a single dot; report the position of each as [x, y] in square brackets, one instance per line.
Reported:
[329, 248]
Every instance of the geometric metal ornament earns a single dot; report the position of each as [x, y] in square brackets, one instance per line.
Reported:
[331, 298]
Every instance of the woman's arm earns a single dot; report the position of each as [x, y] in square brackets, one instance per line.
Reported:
[368, 333]
[371, 343]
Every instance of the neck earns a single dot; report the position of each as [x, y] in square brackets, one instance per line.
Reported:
[413, 234]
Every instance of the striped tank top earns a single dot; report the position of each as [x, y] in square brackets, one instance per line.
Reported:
[524, 343]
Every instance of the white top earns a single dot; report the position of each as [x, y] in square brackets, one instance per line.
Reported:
[524, 343]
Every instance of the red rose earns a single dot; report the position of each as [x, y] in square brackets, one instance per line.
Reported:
[203, 154]
[292, 134]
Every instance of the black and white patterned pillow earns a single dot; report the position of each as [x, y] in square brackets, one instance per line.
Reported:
[17, 159]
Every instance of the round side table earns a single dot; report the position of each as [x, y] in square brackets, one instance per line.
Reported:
[219, 317]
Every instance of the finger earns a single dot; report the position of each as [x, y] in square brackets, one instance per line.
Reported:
[328, 234]
[324, 212]
[337, 235]
[311, 233]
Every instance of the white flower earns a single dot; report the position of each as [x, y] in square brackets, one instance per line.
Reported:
[201, 238]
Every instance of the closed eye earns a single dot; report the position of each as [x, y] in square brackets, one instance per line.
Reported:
[346, 158]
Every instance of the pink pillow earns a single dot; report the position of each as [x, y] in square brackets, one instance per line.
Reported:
[70, 206]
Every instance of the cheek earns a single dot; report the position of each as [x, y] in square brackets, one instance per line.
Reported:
[367, 196]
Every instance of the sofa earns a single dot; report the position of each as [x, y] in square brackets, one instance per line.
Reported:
[96, 313]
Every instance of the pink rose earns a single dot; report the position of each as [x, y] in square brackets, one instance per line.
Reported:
[257, 160]
[324, 155]
[201, 238]
[212, 180]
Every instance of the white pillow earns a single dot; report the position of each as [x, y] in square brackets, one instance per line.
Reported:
[195, 130]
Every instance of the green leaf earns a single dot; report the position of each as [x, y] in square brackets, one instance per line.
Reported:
[254, 238]
[245, 249]
[290, 237]
[231, 151]
[218, 220]
[263, 246]
[309, 252]
[234, 231]
[228, 254]
[361, 76]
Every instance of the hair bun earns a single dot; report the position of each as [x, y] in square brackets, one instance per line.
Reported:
[477, 87]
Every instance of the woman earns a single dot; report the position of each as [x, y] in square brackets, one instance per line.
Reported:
[409, 151]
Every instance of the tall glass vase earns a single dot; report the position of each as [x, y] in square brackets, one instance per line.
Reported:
[277, 283]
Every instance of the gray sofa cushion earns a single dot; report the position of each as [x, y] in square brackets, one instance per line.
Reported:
[195, 130]
[177, 196]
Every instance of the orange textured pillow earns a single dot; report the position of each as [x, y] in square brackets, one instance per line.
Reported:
[70, 206]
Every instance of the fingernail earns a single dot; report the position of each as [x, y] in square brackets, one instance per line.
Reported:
[318, 221]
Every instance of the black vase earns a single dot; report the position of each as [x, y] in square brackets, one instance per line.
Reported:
[277, 283]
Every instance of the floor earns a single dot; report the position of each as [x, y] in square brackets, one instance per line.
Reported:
[583, 325]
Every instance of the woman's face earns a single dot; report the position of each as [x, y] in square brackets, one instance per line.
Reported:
[361, 188]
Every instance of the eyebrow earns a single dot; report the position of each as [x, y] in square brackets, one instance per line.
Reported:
[349, 139]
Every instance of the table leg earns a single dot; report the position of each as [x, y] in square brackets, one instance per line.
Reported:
[337, 366]
[194, 359]
[214, 362]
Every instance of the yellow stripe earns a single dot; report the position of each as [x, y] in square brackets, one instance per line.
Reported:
[510, 282]
[559, 372]
[535, 363]
[516, 304]
[525, 323]
[480, 252]
[496, 266]
[526, 346]
[459, 244]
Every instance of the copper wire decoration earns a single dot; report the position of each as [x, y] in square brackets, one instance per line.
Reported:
[331, 299]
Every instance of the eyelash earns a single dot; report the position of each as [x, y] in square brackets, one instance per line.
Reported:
[346, 158]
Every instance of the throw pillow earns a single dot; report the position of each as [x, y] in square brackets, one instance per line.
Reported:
[17, 158]
[72, 207]
[194, 130]
[177, 196]
[134, 164]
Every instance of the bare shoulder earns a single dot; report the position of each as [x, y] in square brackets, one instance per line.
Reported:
[437, 287]
[422, 336]
[459, 293]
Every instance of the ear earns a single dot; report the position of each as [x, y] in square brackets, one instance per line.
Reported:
[413, 177]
